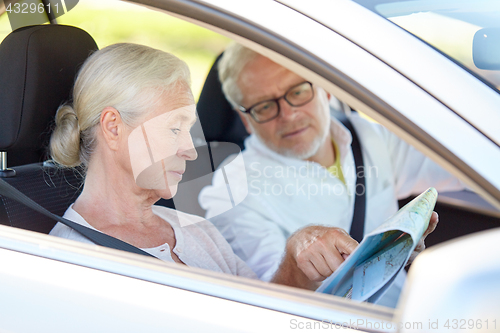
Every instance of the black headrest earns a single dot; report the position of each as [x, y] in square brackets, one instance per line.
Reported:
[219, 121]
[38, 65]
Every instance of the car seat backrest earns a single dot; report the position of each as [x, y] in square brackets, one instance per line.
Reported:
[53, 188]
[199, 173]
[218, 119]
[38, 65]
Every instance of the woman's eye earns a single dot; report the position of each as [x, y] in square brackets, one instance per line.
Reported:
[175, 130]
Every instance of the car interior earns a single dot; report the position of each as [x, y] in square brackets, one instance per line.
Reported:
[38, 78]
[38, 65]
[29, 119]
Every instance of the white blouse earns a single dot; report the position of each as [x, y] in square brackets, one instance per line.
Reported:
[198, 244]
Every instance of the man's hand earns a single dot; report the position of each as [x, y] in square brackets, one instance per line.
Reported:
[421, 244]
[312, 254]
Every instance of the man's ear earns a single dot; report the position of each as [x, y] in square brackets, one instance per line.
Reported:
[111, 127]
[328, 95]
[245, 121]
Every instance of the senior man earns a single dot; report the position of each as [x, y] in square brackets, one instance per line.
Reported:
[299, 167]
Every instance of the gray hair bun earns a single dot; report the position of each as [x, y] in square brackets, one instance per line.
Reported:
[65, 140]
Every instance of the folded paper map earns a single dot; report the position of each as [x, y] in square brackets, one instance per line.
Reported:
[370, 270]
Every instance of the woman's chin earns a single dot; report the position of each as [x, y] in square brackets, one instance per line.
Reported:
[168, 193]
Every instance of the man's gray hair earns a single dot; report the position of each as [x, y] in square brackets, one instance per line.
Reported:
[232, 62]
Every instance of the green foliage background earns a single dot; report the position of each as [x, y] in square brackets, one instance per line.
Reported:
[112, 21]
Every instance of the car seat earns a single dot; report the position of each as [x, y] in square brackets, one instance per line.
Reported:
[218, 119]
[38, 65]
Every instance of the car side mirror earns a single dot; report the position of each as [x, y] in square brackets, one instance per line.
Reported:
[486, 49]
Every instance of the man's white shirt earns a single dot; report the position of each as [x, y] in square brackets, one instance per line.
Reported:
[287, 194]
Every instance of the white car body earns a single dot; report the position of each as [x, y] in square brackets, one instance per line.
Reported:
[55, 285]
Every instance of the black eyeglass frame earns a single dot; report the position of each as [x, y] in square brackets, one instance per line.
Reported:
[276, 100]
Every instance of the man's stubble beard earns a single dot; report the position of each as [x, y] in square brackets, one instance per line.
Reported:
[302, 154]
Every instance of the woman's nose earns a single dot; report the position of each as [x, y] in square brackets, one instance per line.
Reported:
[186, 149]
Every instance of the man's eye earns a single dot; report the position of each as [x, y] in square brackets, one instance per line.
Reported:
[265, 107]
[175, 130]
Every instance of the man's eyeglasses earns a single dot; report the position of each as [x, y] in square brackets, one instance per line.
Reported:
[268, 110]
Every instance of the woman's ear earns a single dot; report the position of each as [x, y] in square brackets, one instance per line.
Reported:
[111, 127]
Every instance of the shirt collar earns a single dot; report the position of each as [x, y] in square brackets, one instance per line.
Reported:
[342, 137]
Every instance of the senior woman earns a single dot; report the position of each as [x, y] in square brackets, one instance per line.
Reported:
[127, 97]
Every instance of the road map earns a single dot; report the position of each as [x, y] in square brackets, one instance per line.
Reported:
[370, 270]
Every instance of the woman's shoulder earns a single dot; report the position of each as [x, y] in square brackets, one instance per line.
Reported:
[60, 230]
[63, 231]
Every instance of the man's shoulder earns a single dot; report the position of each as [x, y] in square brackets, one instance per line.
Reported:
[368, 129]
[362, 121]
[253, 159]
[255, 149]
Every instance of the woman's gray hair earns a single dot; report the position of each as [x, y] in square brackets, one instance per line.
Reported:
[232, 62]
[128, 77]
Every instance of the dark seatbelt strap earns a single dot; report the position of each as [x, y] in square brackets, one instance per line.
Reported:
[358, 218]
[97, 237]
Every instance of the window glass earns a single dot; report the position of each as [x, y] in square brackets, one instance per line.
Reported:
[116, 21]
[468, 31]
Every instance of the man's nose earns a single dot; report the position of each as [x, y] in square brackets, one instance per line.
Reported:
[186, 149]
[286, 110]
